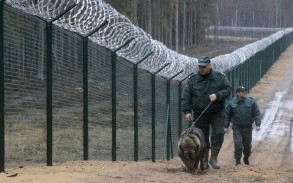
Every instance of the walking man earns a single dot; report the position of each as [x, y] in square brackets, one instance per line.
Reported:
[242, 111]
[206, 93]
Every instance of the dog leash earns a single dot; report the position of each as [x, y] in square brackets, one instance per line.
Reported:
[193, 123]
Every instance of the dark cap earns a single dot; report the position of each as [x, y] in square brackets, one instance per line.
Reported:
[241, 89]
[204, 61]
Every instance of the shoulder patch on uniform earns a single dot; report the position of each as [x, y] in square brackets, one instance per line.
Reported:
[220, 73]
[250, 97]
[193, 75]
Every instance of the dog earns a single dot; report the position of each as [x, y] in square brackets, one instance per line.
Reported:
[192, 148]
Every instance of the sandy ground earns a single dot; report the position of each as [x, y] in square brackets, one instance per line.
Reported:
[271, 161]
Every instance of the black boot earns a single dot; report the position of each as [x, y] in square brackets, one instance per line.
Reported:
[205, 160]
[238, 161]
[213, 160]
[245, 160]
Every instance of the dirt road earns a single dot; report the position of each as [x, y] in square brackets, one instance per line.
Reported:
[271, 161]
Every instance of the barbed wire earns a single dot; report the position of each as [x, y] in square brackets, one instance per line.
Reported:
[88, 15]
[240, 55]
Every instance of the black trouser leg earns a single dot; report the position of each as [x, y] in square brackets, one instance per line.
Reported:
[247, 138]
[238, 147]
[216, 122]
[203, 124]
[217, 129]
[217, 137]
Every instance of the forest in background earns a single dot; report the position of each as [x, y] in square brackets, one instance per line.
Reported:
[182, 24]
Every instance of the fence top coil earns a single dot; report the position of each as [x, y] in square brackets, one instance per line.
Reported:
[87, 15]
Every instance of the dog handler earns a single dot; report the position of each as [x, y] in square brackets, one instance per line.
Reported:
[205, 87]
[242, 111]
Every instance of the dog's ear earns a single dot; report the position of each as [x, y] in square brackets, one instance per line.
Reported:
[180, 151]
[180, 154]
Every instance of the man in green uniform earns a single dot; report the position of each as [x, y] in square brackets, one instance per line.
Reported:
[242, 111]
[207, 87]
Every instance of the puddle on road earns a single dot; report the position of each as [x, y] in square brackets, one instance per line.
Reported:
[273, 126]
[291, 142]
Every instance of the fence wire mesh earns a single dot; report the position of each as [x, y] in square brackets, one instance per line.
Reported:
[100, 103]
[25, 85]
[26, 69]
[85, 16]
[174, 115]
[161, 117]
[125, 124]
[144, 115]
[67, 97]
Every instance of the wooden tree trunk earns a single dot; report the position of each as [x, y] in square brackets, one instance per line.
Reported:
[176, 26]
[184, 25]
[149, 12]
[134, 13]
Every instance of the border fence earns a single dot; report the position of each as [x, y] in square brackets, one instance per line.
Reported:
[72, 94]
[229, 32]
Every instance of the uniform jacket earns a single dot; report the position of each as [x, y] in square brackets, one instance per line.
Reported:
[196, 93]
[242, 113]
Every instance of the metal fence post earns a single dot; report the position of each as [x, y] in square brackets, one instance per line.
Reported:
[114, 99]
[85, 88]
[135, 105]
[49, 38]
[169, 140]
[49, 93]
[180, 104]
[2, 122]
[154, 111]
[233, 80]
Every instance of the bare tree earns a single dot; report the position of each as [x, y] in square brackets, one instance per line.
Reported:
[184, 25]
[176, 26]
[149, 24]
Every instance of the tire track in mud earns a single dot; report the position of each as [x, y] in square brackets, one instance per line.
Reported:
[272, 146]
[274, 137]
[290, 146]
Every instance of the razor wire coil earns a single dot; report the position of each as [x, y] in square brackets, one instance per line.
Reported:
[87, 15]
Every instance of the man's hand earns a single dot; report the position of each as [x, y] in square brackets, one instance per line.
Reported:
[257, 128]
[188, 116]
[226, 130]
[213, 97]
